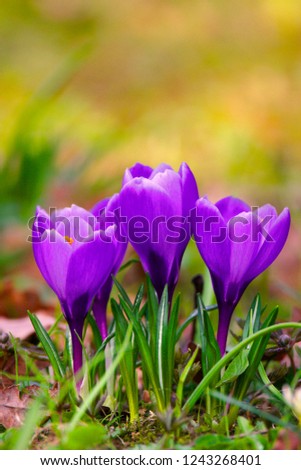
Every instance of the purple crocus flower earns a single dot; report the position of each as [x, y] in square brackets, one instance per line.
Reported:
[103, 295]
[237, 244]
[75, 258]
[156, 204]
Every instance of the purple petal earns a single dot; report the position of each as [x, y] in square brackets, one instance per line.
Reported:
[41, 223]
[160, 169]
[230, 207]
[103, 295]
[136, 171]
[189, 189]
[211, 237]
[99, 207]
[113, 204]
[152, 203]
[243, 251]
[243, 248]
[52, 255]
[76, 230]
[89, 267]
[269, 250]
[170, 181]
[264, 219]
[73, 211]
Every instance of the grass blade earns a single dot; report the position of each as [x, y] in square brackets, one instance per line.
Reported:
[200, 389]
[127, 363]
[146, 355]
[161, 339]
[122, 292]
[98, 387]
[210, 348]
[171, 343]
[190, 319]
[49, 347]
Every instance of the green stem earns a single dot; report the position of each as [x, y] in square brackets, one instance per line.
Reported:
[197, 393]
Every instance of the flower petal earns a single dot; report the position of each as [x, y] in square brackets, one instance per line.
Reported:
[150, 203]
[269, 250]
[231, 206]
[99, 207]
[243, 251]
[190, 193]
[135, 171]
[89, 267]
[41, 223]
[210, 232]
[60, 220]
[52, 255]
[75, 230]
[170, 181]
[160, 169]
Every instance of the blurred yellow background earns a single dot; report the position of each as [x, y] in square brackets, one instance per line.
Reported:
[96, 85]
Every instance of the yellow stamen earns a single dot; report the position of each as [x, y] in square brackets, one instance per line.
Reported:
[69, 240]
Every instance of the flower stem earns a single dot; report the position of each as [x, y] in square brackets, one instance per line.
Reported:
[76, 329]
[100, 307]
[100, 316]
[225, 314]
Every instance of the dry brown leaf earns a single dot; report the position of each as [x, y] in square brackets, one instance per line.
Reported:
[22, 327]
[13, 405]
[15, 303]
[287, 440]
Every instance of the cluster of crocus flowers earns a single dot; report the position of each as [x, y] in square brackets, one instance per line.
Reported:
[156, 211]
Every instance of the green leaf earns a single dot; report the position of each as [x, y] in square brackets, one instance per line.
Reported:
[122, 292]
[257, 350]
[152, 313]
[128, 361]
[94, 393]
[85, 437]
[190, 319]
[210, 348]
[255, 355]
[218, 442]
[145, 352]
[161, 338]
[264, 415]
[95, 330]
[209, 377]
[252, 323]
[129, 263]
[182, 380]
[49, 347]
[138, 298]
[171, 344]
[235, 368]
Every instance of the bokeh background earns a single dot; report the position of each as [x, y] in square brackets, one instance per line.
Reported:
[89, 87]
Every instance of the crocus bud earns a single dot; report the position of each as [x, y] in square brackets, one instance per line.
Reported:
[75, 258]
[237, 244]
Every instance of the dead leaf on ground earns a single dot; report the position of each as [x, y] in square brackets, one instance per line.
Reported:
[13, 405]
[22, 327]
[287, 440]
[15, 303]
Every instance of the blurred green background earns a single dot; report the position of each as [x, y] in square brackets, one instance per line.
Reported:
[89, 87]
